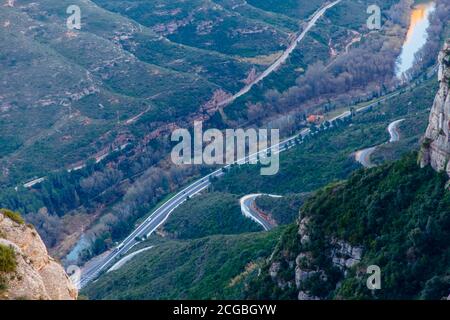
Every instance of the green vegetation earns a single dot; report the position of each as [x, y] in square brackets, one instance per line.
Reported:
[414, 106]
[7, 259]
[8, 264]
[208, 268]
[200, 24]
[398, 214]
[209, 214]
[14, 216]
[75, 116]
[284, 210]
[327, 156]
[294, 8]
[287, 88]
[320, 160]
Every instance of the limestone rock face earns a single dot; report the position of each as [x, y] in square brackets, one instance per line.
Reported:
[37, 275]
[343, 255]
[436, 142]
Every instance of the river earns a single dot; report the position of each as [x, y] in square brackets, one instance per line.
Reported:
[416, 37]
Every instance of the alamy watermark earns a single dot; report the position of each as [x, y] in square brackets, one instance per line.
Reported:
[215, 147]
[374, 280]
[374, 20]
[74, 20]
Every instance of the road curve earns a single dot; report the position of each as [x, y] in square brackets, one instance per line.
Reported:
[393, 130]
[363, 156]
[248, 209]
[160, 215]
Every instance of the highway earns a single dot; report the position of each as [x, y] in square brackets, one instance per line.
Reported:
[127, 258]
[160, 215]
[146, 228]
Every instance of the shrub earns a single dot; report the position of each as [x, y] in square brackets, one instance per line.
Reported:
[14, 216]
[3, 285]
[7, 259]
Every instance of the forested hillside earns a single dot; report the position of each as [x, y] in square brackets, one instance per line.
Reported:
[395, 216]
[86, 118]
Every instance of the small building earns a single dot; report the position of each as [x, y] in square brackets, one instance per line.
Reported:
[314, 118]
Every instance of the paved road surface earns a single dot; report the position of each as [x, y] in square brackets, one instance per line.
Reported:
[247, 207]
[127, 258]
[393, 130]
[363, 156]
[160, 215]
[312, 22]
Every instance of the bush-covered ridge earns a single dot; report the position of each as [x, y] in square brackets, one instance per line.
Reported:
[284, 210]
[398, 214]
[14, 216]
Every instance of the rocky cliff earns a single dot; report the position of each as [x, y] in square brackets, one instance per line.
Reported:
[436, 142]
[26, 269]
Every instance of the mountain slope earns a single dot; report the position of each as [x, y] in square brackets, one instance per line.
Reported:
[207, 268]
[395, 216]
[79, 89]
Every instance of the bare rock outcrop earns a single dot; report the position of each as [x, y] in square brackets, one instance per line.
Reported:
[37, 276]
[436, 142]
[345, 256]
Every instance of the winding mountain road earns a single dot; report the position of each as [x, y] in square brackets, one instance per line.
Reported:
[363, 156]
[160, 215]
[248, 209]
[393, 130]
